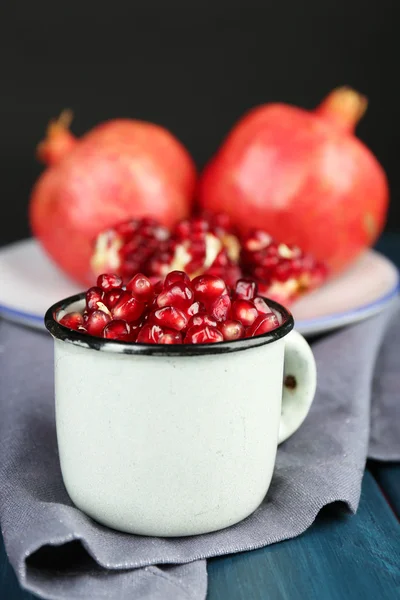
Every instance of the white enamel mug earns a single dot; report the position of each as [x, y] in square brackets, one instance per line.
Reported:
[175, 440]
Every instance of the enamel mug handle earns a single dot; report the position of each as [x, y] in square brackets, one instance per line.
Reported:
[299, 384]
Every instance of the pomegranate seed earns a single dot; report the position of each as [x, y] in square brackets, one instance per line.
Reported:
[111, 298]
[208, 288]
[109, 281]
[196, 308]
[221, 307]
[245, 289]
[262, 324]
[93, 296]
[72, 320]
[231, 330]
[141, 287]
[128, 308]
[244, 311]
[149, 334]
[203, 334]
[171, 337]
[178, 294]
[175, 276]
[170, 317]
[257, 241]
[116, 330]
[158, 285]
[96, 322]
[201, 319]
[261, 306]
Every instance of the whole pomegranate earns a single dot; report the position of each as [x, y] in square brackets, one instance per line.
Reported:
[121, 169]
[303, 177]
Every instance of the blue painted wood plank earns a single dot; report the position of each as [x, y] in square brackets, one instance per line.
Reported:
[388, 477]
[340, 557]
[9, 586]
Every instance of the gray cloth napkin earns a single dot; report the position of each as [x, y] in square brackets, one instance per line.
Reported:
[60, 553]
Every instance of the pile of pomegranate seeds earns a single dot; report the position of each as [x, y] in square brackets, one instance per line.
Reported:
[177, 310]
[207, 244]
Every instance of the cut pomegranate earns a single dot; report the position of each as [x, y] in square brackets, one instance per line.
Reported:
[207, 245]
[231, 330]
[283, 272]
[127, 247]
[116, 330]
[203, 334]
[96, 322]
[73, 320]
[244, 311]
[109, 282]
[197, 245]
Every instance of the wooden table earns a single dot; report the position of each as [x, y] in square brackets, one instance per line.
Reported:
[341, 557]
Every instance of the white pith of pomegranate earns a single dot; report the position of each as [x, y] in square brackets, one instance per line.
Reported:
[202, 311]
[208, 244]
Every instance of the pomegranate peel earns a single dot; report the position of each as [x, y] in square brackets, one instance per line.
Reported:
[303, 176]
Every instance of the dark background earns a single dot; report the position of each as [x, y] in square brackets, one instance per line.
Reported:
[192, 66]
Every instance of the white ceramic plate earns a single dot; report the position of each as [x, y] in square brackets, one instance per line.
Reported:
[30, 283]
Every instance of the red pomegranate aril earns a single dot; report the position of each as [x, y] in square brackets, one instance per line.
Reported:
[203, 334]
[128, 309]
[246, 289]
[201, 319]
[261, 306]
[262, 324]
[96, 322]
[178, 294]
[208, 288]
[141, 287]
[116, 330]
[174, 277]
[150, 334]
[220, 309]
[231, 330]
[94, 295]
[244, 311]
[111, 298]
[73, 320]
[196, 308]
[169, 317]
[171, 337]
[109, 281]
